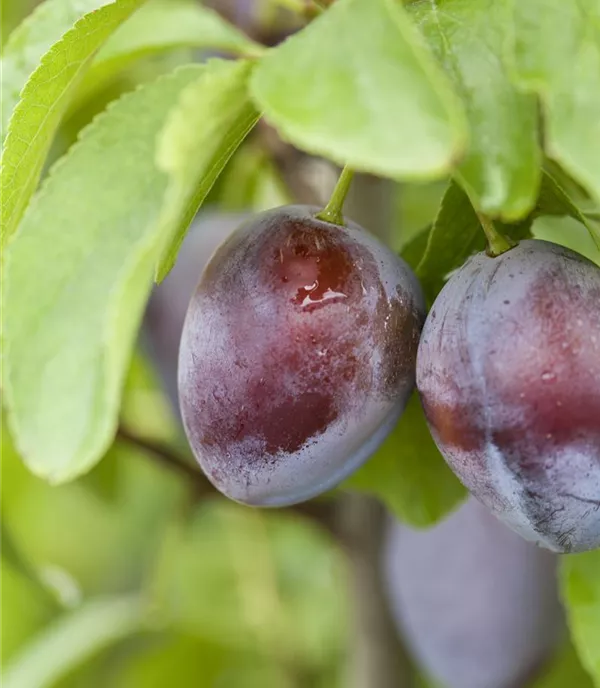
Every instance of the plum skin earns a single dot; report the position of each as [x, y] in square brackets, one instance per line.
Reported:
[508, 370]
[493, 618]
[297, 356]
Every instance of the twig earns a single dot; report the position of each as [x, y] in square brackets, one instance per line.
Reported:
[167, 457]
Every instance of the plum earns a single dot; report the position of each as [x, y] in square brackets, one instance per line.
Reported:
[508, 370]
[297, 355]
[476, 604]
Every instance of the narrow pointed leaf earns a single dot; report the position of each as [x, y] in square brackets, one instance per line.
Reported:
[193, 156]
[43, 102]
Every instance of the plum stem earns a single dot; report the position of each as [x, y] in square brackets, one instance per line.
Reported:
[497, 242]
[333, 210]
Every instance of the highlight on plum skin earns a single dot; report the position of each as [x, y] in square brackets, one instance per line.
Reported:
[297, 356]
[509, 375]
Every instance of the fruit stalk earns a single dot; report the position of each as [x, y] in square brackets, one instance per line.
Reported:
[333, 210]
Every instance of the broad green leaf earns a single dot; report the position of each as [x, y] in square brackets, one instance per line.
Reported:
[30, 40]
[580, 576]
[192, 155]
[502, 168]
[44, 100]
[160, 26]
[71, 640]
[77, 276]
[409, 474]
[557, 56]
[455, 235]
[564, 671]
[358, 86]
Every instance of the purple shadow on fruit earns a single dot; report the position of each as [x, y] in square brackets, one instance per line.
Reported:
[509, 375]
[477, 605]
[297, 356]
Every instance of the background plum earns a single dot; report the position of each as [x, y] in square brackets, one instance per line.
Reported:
[477, 605]
[165, 314]
[297, 355]
[509, 374]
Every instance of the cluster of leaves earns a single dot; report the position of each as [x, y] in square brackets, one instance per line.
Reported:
[501, 96]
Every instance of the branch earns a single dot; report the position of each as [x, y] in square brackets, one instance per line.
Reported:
[378, 658]
[168, 458]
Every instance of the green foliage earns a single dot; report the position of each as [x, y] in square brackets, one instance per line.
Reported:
[25, 608]
[409, 474]
[27, 44]
[44, 100]
[456, 233]
[160, 26]
[357, 86]
[262, 597]
[557, 55]
[251, 181]
[78, 274]
[72, 639]
[564, 671]
[580, 576]
[501, 170]
[194, 156]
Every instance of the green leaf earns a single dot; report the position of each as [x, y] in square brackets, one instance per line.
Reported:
[554, 200]
[26, 607]
[252, 182]
[502, 168]
[257, 592]
[71, 640]
[177, 660]
[409, 474]
[567, 232]
[357, 86]
[30, 40]
[79, 270]
[77, 276]
[580, 578]
[160, 26]
[193, 156]
[557, 56]
[44, 100]
[455, 235]
[564, 671]
[415, 208]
